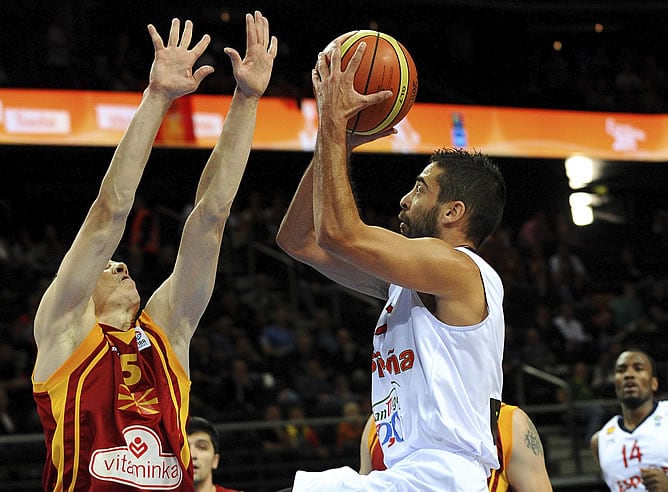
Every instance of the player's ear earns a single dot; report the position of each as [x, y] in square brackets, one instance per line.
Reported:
[452, 211]
[654, 383]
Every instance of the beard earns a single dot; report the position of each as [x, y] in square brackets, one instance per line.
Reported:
[422, 225]
[634, 402]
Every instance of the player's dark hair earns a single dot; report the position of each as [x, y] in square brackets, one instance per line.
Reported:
[476, 180]
[200, 424]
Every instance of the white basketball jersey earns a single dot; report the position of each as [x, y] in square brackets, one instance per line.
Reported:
[434, 385]
[622, 453]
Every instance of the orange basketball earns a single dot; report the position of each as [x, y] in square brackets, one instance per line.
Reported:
[386, 64]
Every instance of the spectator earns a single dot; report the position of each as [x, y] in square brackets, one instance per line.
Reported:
[324, 332]
[305, 350]
[349, 431]
[536, 352]
[262, 296]
[143, 242]
[311, 381]
[628, 267]
[7, 423]
[590, 416]
[242, 392]
[16, 408]
[278, 339]
[576, 340]
[568, 274]
[535, 233]
[301, 436]
[542, 320]
[603, 371]
[627, 307]
[655, 299]
[273, 437]
[350, 356]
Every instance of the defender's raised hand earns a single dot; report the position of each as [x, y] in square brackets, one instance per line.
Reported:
[254, 71]
[171, 72]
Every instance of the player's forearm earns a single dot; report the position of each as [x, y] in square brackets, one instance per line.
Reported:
[127, 165]
[296, 229]
[227, 162]
[334, 207]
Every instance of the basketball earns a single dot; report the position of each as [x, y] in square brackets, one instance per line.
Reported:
[386, 64]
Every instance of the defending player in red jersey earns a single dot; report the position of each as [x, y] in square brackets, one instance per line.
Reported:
[112, 388]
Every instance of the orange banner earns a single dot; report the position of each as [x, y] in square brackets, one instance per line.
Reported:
[97, 118]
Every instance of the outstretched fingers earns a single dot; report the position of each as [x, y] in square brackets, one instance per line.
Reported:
[172, 72]
[155, 38]
[201, 45]
[174, 33]
[262, 29]
[202, 72]
[273, 47]
[251, 33]
[187, 35]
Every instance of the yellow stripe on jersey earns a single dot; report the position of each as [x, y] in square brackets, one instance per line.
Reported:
[77, 414]
[184, 383]
[498, 479]
[56, 386]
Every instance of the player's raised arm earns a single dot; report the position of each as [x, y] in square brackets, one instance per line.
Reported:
[180, 301]
[296, 234]
[67, 310]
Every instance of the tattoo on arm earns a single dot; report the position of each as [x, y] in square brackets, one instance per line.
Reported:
[532, 440]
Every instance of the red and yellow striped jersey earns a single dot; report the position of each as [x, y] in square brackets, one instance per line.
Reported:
[115, 414]
[498, 480]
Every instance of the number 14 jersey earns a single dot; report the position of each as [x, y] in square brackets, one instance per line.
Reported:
[622, 453]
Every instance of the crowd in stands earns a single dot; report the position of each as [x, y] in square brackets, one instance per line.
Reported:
[259, 354]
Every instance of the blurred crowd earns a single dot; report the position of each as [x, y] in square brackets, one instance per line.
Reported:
[261, 353]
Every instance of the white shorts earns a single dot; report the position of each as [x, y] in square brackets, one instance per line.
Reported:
[423, 471]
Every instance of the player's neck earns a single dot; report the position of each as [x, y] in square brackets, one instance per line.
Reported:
[205, 486]
[633, 417]
[119, 319]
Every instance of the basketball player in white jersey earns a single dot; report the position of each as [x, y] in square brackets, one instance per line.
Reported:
[438, 344]
[632, 448]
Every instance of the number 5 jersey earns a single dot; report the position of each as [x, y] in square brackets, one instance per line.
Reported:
[114, 414]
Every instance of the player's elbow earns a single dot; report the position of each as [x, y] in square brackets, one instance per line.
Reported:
[332, 239]
[300, 248]
[110, 208]
[284, 240]
[213, 214]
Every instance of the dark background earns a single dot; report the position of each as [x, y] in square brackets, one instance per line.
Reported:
[467, 52]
